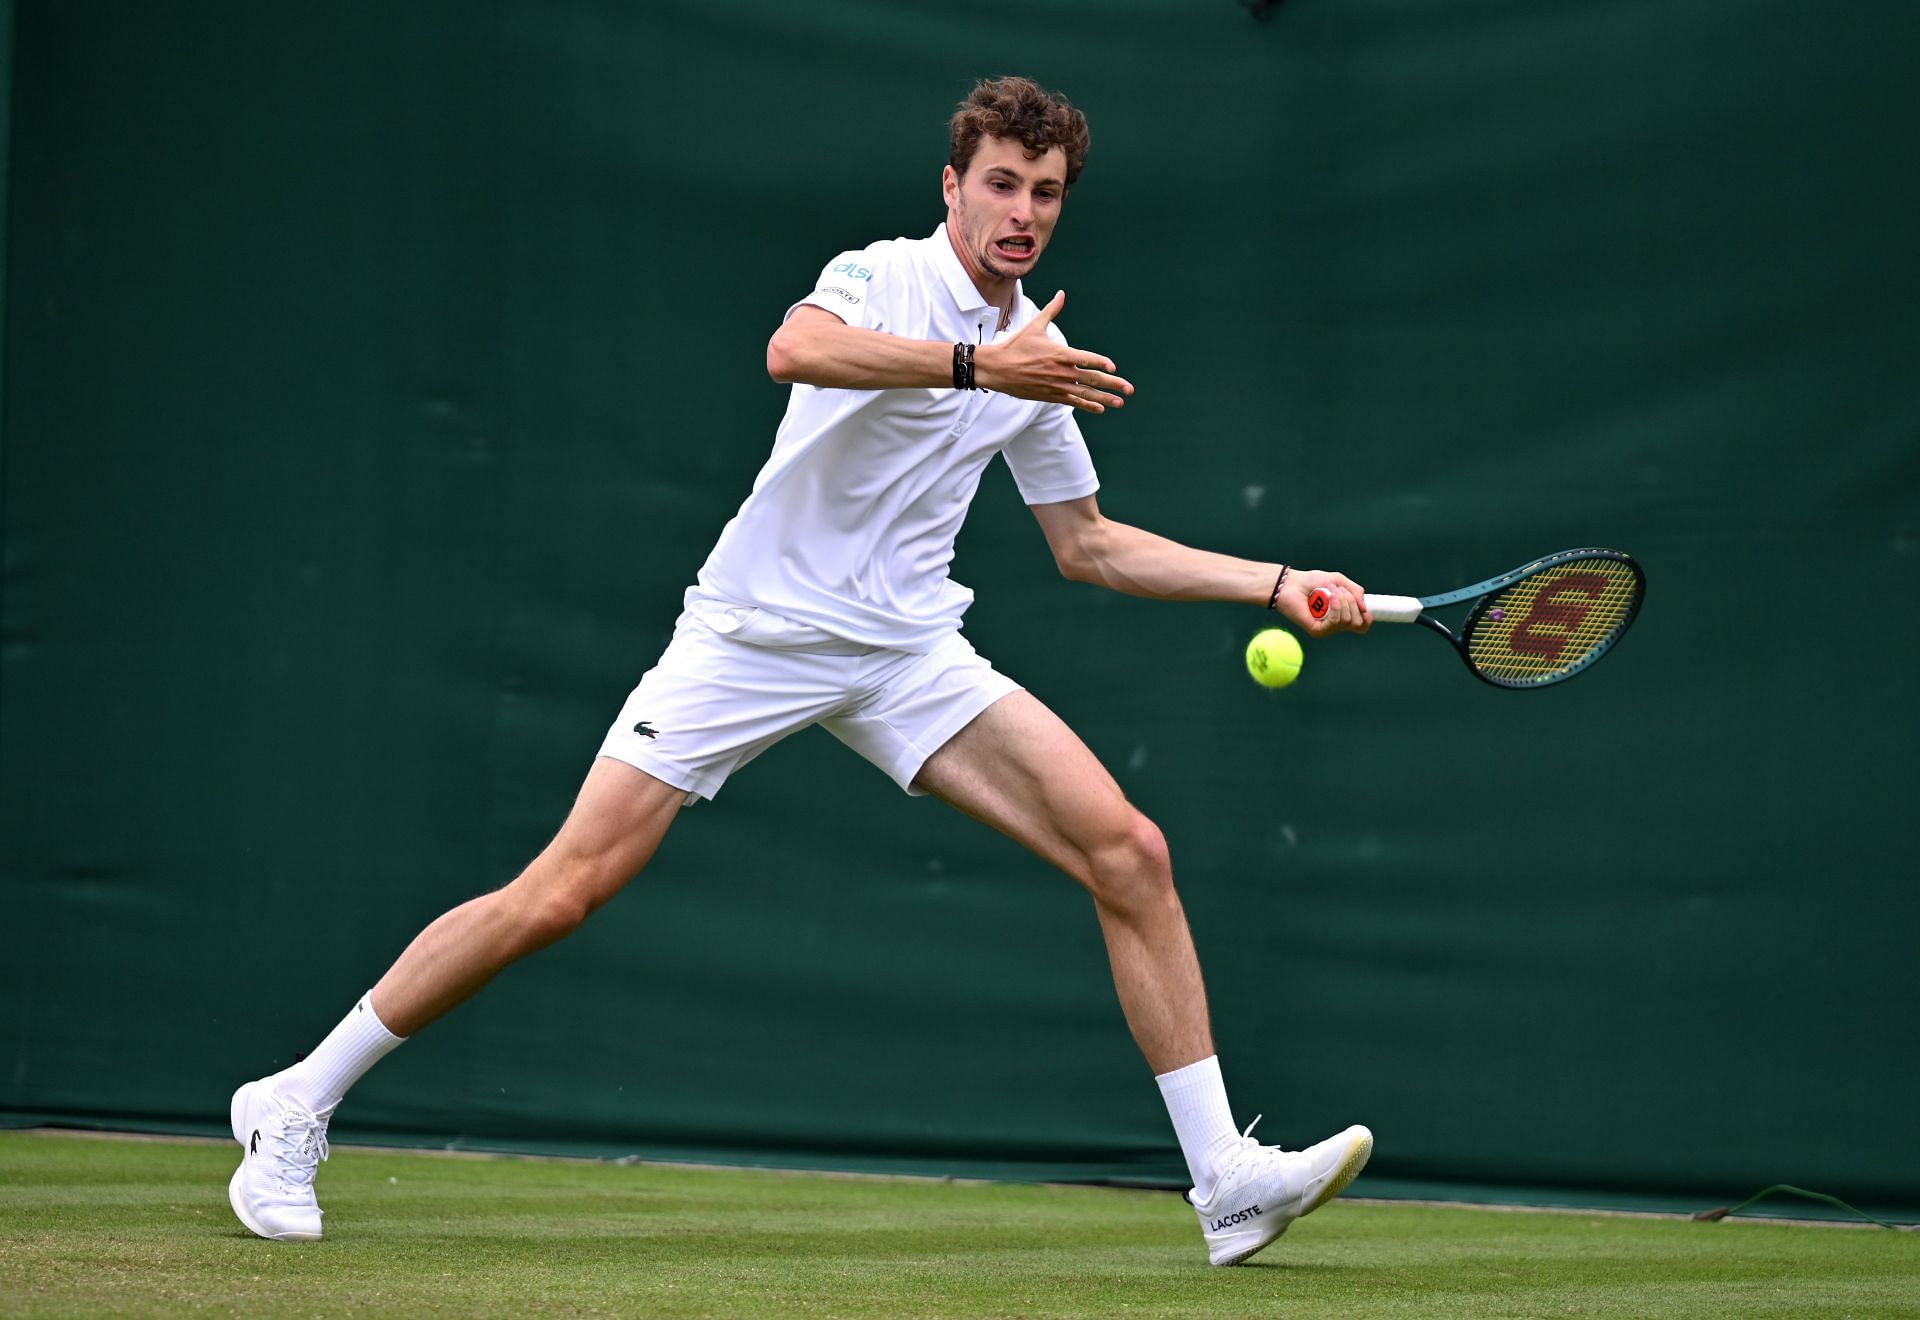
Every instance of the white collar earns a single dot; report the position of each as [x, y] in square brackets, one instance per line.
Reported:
[960, 286]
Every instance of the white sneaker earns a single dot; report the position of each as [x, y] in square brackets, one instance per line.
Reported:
[272, 1190]
[1263, 1189]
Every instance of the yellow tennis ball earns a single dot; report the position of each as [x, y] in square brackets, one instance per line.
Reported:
[1273, 657]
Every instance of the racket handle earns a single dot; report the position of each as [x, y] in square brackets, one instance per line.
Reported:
[1385, 609]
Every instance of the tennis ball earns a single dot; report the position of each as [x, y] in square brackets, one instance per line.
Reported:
[1273, 658]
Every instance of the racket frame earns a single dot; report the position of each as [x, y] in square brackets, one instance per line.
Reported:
[1413, 609]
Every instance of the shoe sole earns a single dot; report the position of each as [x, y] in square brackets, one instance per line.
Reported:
[236, 1119]
[1343, 1176]
[1350, 1166]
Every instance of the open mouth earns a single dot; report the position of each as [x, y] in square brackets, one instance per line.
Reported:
[1017, 248]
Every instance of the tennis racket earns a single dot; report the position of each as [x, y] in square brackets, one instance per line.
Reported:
[1542, 623]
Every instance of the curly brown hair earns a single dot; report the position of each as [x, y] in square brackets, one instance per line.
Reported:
[1018, 108]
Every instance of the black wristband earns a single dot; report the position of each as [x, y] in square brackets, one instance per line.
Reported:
[963, 366]
[1273, 601]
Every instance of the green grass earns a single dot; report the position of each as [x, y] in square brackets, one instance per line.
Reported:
[91, 1226]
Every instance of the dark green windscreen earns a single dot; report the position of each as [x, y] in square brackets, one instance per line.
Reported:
[377, 376]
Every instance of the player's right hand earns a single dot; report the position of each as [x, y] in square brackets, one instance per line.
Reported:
[1031, 364]
[1346, 605]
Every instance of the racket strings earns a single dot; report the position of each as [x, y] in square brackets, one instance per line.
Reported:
[1549, 625]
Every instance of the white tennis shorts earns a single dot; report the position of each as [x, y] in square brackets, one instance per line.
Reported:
[731, 685]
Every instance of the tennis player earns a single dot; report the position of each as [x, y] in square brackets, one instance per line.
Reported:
[914, 362]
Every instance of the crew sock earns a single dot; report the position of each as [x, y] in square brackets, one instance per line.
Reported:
[1197, 1102]
[322, 1078]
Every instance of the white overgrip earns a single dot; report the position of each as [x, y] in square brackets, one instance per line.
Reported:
[1393, 609]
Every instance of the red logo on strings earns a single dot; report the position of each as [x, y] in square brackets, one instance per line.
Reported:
[1551, 608]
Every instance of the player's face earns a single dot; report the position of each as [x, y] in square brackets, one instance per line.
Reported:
[1001, 213]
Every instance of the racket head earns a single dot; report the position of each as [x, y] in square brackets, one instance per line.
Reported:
[1554, 620]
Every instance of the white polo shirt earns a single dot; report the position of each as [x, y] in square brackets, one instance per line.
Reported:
[850, 526]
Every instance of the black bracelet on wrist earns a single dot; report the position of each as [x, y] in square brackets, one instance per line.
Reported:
[963, 366]
[1273, 601]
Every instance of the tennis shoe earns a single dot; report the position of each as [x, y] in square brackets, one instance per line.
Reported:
[284, 1141]
[1263, 1189]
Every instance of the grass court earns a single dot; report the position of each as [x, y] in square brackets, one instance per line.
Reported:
[110, 1227]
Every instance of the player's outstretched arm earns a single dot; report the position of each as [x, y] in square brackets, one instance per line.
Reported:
[815, 347]
[1090, 547]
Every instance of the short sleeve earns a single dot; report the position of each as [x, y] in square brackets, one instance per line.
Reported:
[1049, 459]
[846, 288]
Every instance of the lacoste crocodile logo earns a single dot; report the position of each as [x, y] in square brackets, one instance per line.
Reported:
[253, 1147]
[646, 730]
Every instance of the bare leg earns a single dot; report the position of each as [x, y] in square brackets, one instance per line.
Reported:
[615, 825]
[281, 1121]
[1020, 769]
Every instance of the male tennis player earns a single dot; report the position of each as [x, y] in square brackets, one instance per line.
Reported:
[826, 601]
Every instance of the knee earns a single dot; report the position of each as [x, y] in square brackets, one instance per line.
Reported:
[552, 915]
[1132, 867]
[553, 897]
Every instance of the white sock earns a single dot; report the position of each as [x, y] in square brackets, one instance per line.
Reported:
[322, 1078]
[1197, 1102]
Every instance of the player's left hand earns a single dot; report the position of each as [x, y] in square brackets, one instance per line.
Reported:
[1029, 364]
[1346, 612]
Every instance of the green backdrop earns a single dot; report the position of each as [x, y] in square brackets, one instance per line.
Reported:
[378, 376]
